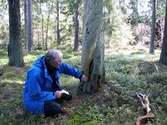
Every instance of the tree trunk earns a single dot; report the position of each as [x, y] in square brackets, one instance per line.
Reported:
[28, 24]
[76, 27]
[135, 13]
[15, 47]
[121, 2]
[47, 26]
[58, 30]
[43, 39]
[163, 56]
[93, 46]
[42, 26]
[153, 27]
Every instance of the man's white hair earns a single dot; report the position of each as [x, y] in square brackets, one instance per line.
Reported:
[53, 54]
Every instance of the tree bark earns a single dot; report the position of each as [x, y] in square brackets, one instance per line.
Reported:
[93, 46]
[163, 56]
[15, 47]
[121, 2]
[153, 27]
[47, 26]
[58, 29]
[76, 27]
[135, 13]
[28, 24]
[42, 26]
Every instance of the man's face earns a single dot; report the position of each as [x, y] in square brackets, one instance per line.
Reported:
[57, 62]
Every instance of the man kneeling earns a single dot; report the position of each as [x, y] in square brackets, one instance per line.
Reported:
[42, 90]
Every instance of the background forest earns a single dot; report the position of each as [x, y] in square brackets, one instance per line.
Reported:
[121, 45]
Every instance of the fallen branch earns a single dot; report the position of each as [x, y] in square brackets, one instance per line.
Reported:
[144, 101]
[143, 119]
[146, 106]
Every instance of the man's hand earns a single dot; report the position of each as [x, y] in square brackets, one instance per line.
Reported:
[84, 78]
[63, 95]
[58, 94]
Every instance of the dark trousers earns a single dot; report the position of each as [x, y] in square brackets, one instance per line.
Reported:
[52, 107]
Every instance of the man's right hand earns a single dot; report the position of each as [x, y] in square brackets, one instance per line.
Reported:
[84, 78]
[63, 95]
[58, 94]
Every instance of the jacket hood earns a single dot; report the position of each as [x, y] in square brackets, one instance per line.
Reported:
[40, 62]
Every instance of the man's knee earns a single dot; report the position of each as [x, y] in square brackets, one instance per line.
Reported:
[51, 108]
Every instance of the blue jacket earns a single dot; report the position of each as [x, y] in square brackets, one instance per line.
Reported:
[38, 84]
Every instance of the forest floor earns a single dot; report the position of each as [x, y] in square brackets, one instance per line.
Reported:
[115, 104]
